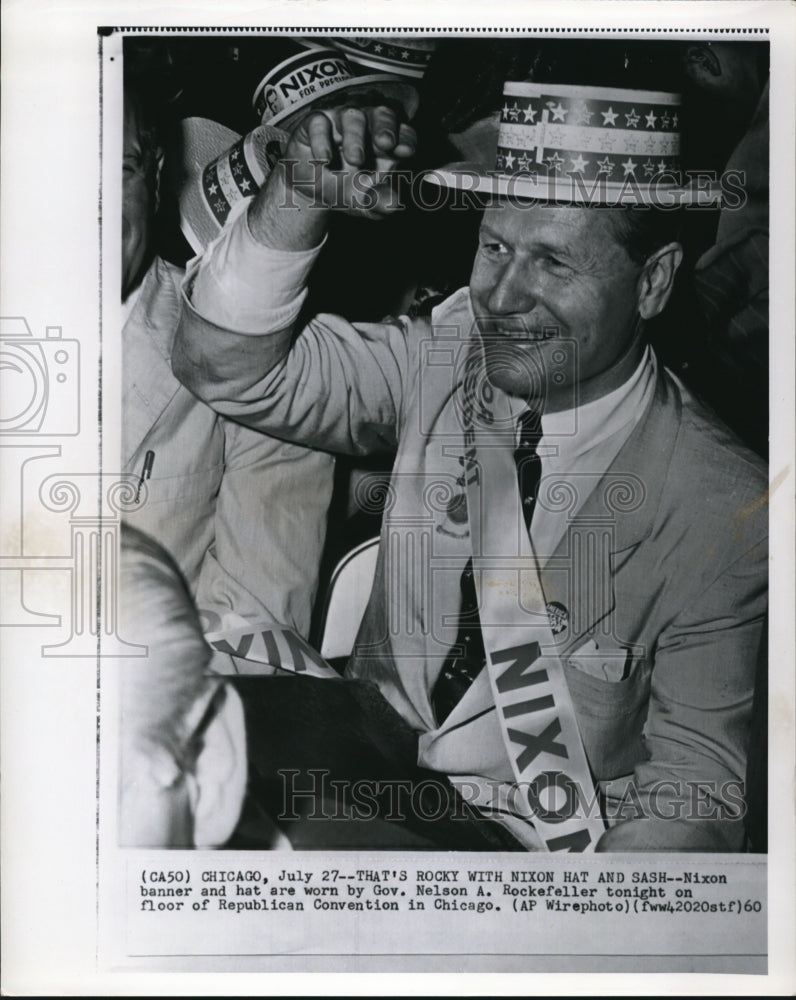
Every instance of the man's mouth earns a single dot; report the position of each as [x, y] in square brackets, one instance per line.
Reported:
[516, 333]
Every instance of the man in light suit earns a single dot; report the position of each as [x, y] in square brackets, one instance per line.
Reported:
[646, 521]
[219, 496]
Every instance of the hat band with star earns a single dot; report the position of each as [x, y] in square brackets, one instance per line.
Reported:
[406, 55]
[221, 169]
[582, 144]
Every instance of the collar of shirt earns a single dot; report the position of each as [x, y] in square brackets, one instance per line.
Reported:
[585, 447]
[604, 424]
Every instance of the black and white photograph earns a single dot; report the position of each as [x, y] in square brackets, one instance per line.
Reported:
[425, 571]
[427, 347]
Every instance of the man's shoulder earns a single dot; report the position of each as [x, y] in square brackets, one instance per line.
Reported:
[453, 316]
[712, 478]
[157, 310]
[708, 445]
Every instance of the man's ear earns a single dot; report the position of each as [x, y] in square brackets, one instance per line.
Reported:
[220, 773]
[657, 279]
[702, 63]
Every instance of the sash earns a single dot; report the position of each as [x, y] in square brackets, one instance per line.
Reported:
[269, 643]
[553, 786]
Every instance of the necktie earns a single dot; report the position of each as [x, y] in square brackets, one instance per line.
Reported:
[459, 671]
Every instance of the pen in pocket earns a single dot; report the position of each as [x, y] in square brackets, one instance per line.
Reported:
[146, 472]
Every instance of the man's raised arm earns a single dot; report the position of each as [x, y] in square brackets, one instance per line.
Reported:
[236, 348]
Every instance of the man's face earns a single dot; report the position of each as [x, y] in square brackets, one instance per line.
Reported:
[139, 185]
[547, 274]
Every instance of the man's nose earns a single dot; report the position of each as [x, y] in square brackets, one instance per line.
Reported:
[512, 292]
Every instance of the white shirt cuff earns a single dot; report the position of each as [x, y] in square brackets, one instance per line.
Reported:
[242, 285]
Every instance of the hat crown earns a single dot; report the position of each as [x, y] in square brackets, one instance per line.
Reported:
[578, 144]
[607, 134]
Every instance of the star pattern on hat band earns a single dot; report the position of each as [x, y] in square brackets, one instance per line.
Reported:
[609, 116]
[632, 118]
[581, 114]
[605, 166]
[579, 164]
[226, 180]
[418, 57]
[554, 161]
[614, 135]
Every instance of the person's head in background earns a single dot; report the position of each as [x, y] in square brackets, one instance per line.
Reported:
[722, 85]
[141, 162]
[153, 85]
[734, 73]
[182, 737]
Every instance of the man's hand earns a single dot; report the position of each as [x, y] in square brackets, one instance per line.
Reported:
[338, 159]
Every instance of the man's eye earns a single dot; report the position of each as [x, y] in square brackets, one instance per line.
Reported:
[494, 249]
[555, 262]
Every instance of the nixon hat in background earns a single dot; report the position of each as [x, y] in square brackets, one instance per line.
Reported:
[297, 83]
[406, 55]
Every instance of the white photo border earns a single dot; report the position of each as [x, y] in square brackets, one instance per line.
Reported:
[53, 192]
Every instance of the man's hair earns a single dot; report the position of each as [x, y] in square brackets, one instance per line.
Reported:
[159, 689]
[643, 230]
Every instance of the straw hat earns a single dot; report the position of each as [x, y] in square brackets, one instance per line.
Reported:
[578, 144]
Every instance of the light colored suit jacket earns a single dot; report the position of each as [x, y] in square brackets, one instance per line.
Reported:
[221, 497]
[664, 563]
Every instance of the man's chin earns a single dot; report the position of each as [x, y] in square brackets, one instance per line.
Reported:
[514, 382]
[516, 368]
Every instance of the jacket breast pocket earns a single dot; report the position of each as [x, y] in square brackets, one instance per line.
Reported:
[179, 513]
[611, 716]
[186, 486]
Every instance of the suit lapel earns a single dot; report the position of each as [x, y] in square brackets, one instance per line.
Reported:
[147, 338]
[615, 518]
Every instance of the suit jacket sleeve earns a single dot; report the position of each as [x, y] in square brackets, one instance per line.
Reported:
[697, 734]
[328, 384]
[249, 568]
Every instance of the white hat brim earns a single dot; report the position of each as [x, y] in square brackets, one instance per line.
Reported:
[472, 178]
